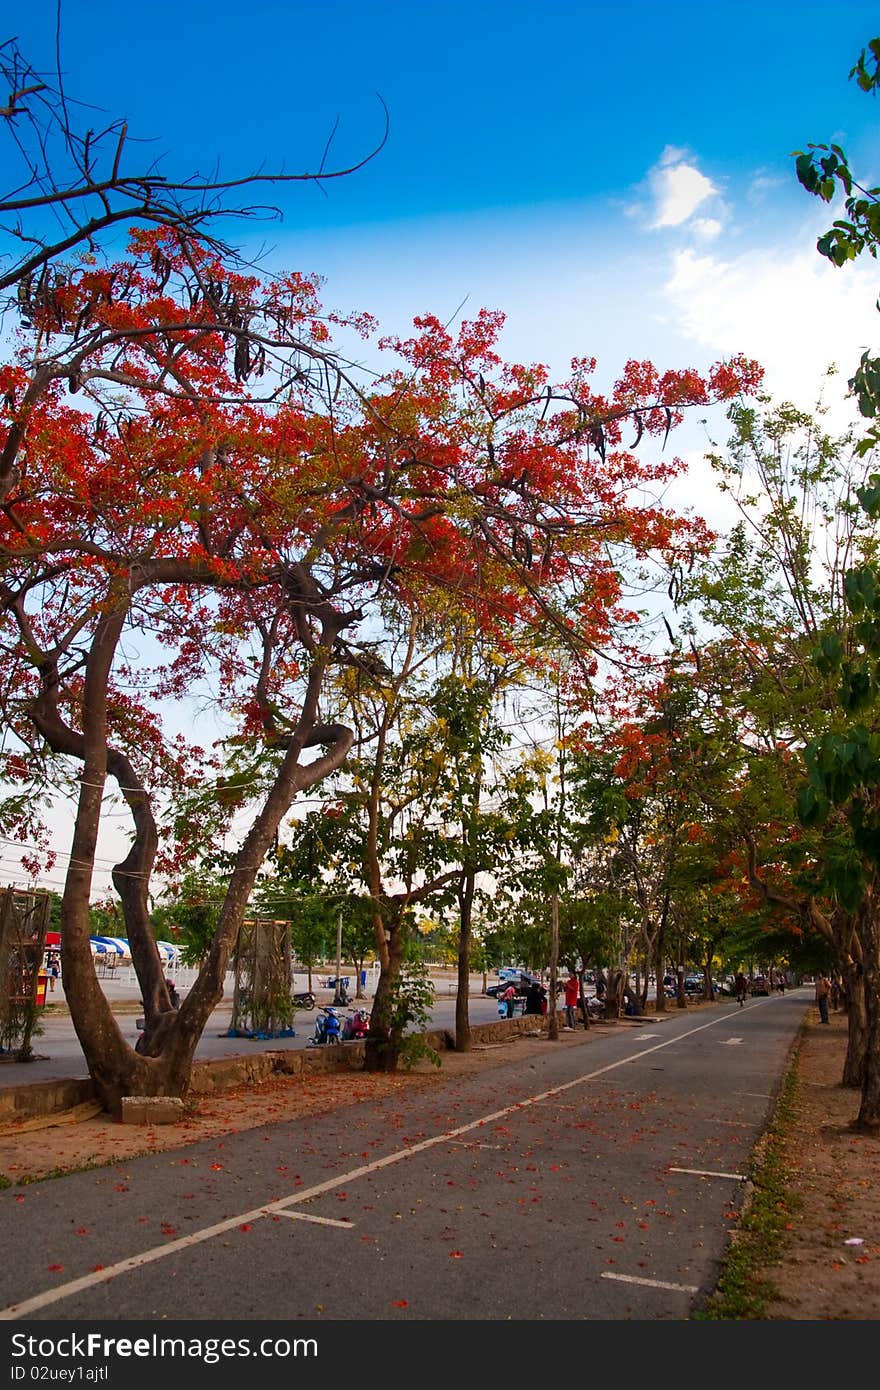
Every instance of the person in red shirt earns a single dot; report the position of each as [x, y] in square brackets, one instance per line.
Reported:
[572, 995]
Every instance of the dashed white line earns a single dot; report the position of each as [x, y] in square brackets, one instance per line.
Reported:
[318, 1220]
[707, 1173]
[651, 1283]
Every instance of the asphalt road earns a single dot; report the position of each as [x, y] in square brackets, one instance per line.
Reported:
[595, 1180]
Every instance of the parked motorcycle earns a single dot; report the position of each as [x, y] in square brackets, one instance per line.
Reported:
[356, 1026]
[304, 1000]
[328, 1028]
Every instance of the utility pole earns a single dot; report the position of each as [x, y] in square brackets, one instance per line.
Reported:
[552, 1016]
[339, 996]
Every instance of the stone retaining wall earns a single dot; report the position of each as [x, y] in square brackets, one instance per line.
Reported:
[28, 1102]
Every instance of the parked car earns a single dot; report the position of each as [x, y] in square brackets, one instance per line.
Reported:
[759, 985]
[521, 981]
[524, 978]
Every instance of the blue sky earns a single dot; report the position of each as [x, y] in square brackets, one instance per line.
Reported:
[617, 179]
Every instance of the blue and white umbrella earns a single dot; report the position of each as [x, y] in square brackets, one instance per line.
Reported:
[168, 952]
[112, 944]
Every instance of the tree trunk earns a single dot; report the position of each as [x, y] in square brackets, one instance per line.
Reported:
[680, 996]
[462, 1017]
[163, 1063]
[868, 1120]
[382, 1047]
[659, 972]
[614, 988]
[857, 1025]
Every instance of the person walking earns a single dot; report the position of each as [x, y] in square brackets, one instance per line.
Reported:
[823, 989]
[572, 995]
[53, 969]
[742, 988]
[508, 998]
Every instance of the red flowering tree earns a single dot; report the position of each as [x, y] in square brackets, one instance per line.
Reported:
[199, 500]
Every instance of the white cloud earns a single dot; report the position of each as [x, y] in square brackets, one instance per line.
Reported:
[794, 312]
[706, 228]
[678, 189]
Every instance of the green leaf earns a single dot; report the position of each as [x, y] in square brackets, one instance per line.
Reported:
[812, 809]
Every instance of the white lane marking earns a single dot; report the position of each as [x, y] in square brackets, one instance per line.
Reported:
[643, 1037]
[731, 1042]
[707, 1173]
[319, 1220]
[757, 1095]
[159, 1252]
[651, 1283]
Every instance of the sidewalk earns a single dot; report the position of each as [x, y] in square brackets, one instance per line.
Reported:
[828, 1268]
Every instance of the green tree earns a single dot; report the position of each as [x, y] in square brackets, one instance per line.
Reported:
[777, 597]
[189, 917]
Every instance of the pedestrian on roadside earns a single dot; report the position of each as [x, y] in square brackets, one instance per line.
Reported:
[53, 969]
[742, 988]
[173, 996]
[835, 993]
[823, 990]
[572, 995]
[508, 997]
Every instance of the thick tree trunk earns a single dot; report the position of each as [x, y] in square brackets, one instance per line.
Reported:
[680, 995]
[868, 1119]
[857, 1025]
[615, 985]
[382, 1047]
[163, 1063]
